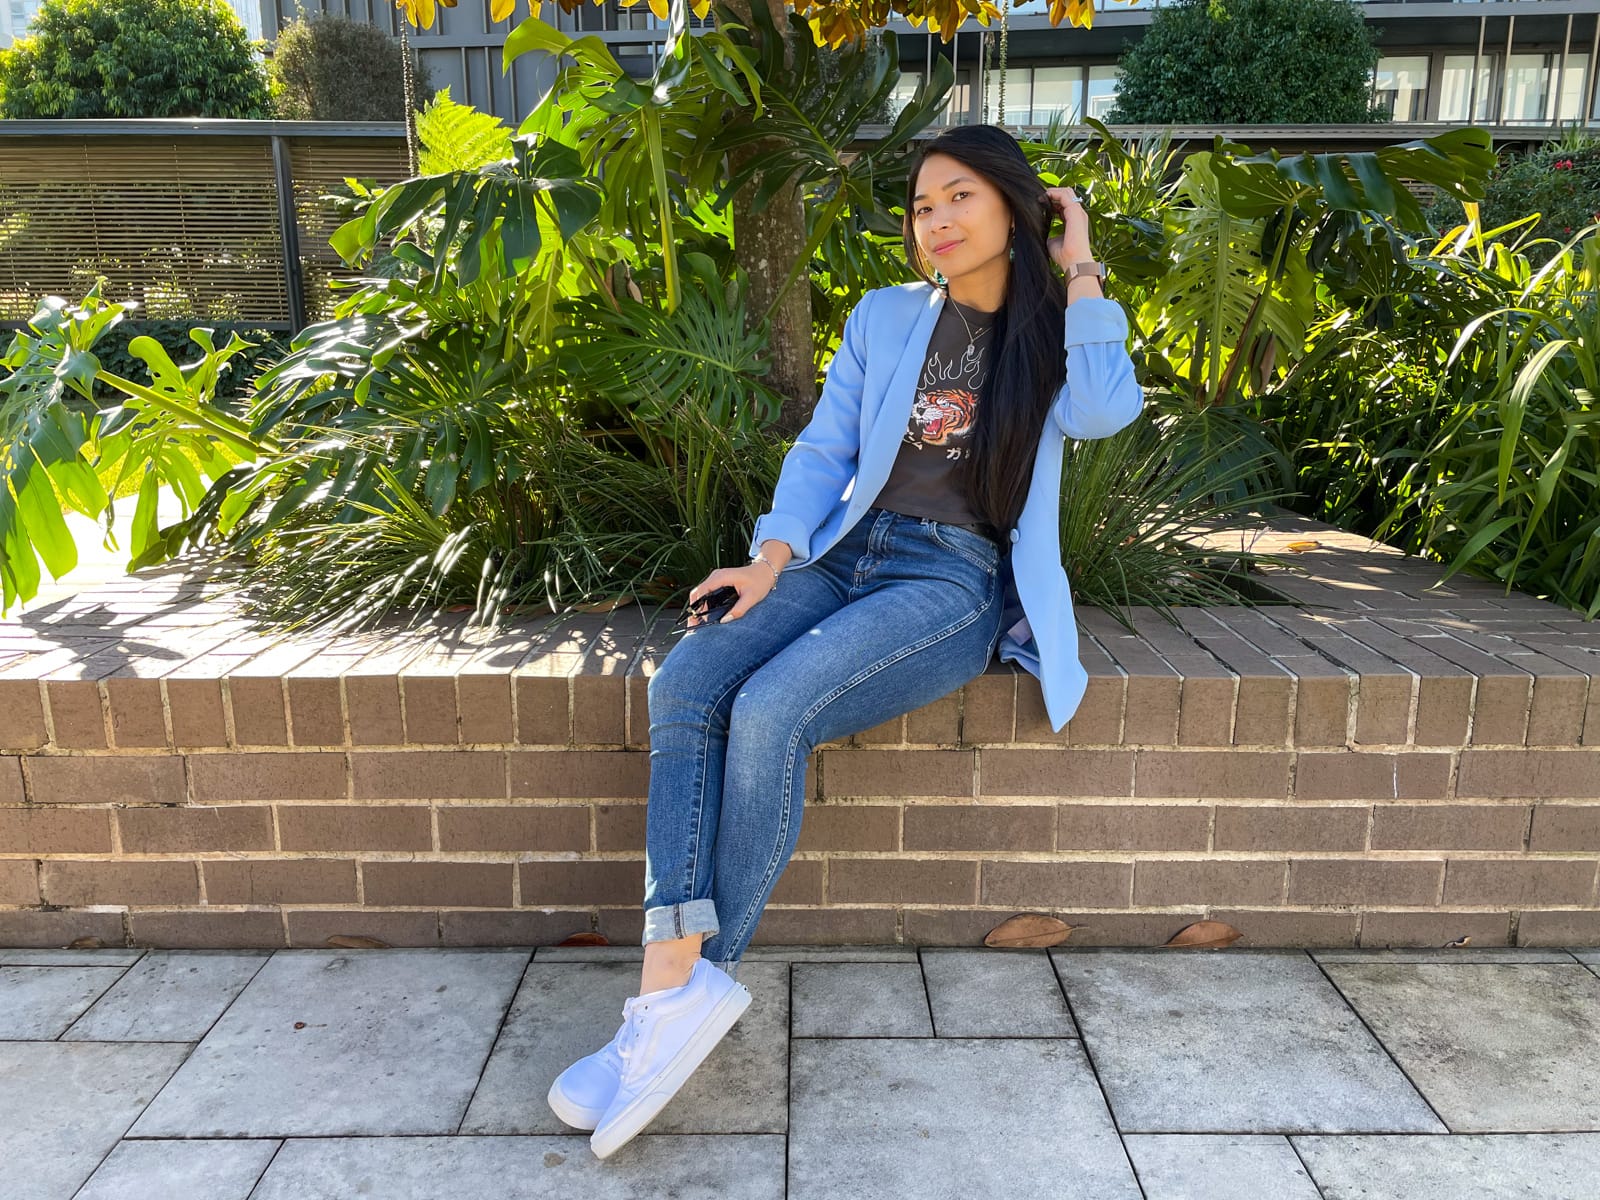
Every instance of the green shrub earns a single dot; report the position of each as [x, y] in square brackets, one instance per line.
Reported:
[1246, 62]
[331, 68]
[133, 58]
[1559, 180]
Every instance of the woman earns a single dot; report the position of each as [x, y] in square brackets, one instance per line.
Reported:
[940, 397]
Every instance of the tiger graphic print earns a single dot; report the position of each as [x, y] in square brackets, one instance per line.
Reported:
[944, 411]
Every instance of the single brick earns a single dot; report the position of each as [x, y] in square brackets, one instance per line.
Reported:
[280, 881]
[107, 779]
[93, 881]
[186, 830]
[324, 827]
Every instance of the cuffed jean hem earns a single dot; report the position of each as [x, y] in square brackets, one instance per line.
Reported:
[667, 922]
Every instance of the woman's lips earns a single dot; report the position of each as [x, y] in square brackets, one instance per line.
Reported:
[946, 246]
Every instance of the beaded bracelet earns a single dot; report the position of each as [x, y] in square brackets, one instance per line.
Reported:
[761, 557]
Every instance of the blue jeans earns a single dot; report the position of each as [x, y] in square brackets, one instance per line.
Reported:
[900, 612]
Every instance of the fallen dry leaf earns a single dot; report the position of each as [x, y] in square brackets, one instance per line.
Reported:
[351, 941]
[586, 939]
[1458, 943]
[1205, 935]
[1029, 929]
[86, 943]
[1302, 546]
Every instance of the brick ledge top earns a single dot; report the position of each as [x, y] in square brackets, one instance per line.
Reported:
[1362, 612]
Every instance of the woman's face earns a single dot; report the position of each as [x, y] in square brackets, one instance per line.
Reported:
[961, 223]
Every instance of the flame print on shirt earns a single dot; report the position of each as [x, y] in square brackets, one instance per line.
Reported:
[944, 411]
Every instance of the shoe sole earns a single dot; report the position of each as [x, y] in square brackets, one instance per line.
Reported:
[643, 1109]
[573, 1114]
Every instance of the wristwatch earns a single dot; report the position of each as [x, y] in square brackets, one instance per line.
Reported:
[1087, 267]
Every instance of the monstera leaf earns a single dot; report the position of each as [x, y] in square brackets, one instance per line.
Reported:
[55, 445]
[495, 210]
[637, 355]
[629, 130]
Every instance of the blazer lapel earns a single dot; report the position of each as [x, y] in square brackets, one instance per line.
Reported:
[893, 413]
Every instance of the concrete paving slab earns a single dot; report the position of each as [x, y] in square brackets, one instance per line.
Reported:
[776, 952]
[1493, 1048]
[564, 1011]
[842, 1000]
[633, 954]
[1218, 1166]
[169, 996]
[1545, 1166]
[67, 1103]
[829, 954]
[69, 958]
[1236, 1041]
[995, 993]
[338, 1042]
[38, 1004]
[181, 1170]
[518, 1168]
[949, 1119]
[1465, 954]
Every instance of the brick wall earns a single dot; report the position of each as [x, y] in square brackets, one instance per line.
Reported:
[1372, 766]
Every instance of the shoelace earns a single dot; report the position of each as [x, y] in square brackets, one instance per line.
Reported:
[631, 1010]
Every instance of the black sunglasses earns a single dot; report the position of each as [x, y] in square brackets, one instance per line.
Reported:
[710, 607]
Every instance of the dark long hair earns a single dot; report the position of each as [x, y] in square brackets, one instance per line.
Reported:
[1028, 363]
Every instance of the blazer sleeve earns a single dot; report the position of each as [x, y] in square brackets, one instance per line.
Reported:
[824, 455]
[1100, 395]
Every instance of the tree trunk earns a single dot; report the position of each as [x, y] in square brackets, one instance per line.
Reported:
[765, 245]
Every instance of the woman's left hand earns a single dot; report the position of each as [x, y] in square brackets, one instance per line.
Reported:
[1072, 244]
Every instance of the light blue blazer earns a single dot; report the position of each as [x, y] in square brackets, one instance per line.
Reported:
[842, 458]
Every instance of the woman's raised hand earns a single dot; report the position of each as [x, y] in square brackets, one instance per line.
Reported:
[1072, 243]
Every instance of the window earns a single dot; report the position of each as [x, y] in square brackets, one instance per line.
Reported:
[1571, 104]
[1526, 86]
[1019, 95]
[1057, 90]
[959, 110]
[904, 90]
[1102, 90]
[1401, 86]
[1530, 88]
[1455, 88]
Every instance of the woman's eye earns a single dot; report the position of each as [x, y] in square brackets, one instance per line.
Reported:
[920, 211]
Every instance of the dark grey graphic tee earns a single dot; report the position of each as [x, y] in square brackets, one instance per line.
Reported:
[924, 481]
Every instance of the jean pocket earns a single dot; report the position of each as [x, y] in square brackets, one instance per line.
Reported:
[971, 545]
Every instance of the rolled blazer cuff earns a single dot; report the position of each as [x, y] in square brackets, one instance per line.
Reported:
[1095, 319]
[1100, 394]
[784, 528]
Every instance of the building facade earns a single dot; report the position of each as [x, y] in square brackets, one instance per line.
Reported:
[1510, 63]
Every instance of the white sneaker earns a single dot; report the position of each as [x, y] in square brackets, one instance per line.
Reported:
[580, 1094]
[665, 1035]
